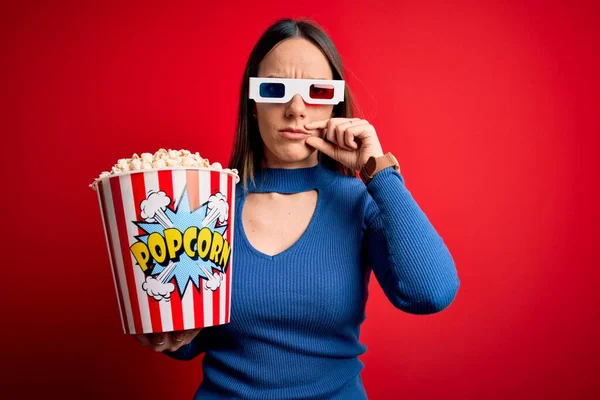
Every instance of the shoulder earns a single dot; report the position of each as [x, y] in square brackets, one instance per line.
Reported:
[351, 194]
[348, 192]
[339, 181]
[349, 183]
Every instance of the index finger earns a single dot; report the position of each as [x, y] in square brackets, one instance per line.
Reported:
[320, 124]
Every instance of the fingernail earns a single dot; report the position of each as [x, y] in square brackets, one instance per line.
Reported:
[159, 339]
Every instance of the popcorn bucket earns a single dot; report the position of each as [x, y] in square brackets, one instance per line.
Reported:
[169, 234]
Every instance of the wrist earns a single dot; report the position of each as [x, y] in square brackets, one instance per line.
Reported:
[375, 164]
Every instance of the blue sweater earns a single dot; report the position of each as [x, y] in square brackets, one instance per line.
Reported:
[296, 316]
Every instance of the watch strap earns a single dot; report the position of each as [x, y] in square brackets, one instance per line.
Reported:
[376, 164]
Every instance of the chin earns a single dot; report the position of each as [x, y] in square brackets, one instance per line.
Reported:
[296, 153]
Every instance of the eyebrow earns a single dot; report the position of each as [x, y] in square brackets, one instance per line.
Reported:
[282, 77]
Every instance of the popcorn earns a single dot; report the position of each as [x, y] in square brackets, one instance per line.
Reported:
[173, 162]
[123, 163]
[163, 159]
[136, 164]
[189, 161]
[159, 163]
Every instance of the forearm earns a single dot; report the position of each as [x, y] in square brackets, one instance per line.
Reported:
[409, 258]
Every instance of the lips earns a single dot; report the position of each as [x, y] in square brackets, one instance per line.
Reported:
[293, 135]
[292, 130]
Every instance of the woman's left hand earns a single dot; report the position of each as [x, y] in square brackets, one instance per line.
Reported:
[350, 141]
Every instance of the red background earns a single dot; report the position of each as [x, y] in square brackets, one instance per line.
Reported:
[492, 110]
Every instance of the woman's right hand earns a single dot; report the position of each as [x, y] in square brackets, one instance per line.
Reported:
[170, 341]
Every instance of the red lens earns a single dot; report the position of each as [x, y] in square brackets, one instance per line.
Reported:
[323, 91]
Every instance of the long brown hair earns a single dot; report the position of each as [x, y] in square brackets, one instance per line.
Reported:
[248, 149]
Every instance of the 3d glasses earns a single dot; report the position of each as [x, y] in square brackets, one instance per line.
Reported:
[281, 90]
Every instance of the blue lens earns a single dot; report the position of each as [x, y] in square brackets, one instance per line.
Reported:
[272, 90]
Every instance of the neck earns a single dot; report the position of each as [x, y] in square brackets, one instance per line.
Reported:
[290, 180]
[269, 161]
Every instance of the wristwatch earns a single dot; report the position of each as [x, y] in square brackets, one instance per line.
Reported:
[376, 164]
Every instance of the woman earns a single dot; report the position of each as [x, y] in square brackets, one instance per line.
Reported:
[309, 232]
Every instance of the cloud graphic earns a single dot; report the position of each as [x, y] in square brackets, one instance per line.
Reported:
[213, 282]
[157, 289]
[154, 206]
[216, 208]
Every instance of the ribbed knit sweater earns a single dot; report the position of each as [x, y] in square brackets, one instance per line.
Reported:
[296, 316]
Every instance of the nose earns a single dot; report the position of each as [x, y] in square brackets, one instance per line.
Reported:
[296, 107]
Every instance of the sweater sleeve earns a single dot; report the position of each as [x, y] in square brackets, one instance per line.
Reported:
[409, 259]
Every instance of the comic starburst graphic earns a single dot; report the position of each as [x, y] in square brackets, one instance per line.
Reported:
[182, 218]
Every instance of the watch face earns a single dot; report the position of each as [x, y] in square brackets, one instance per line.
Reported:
[371, 164]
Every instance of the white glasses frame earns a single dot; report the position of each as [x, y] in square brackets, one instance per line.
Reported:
[297, 86]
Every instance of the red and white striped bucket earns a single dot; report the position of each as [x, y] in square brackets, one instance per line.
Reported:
[169, 235]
